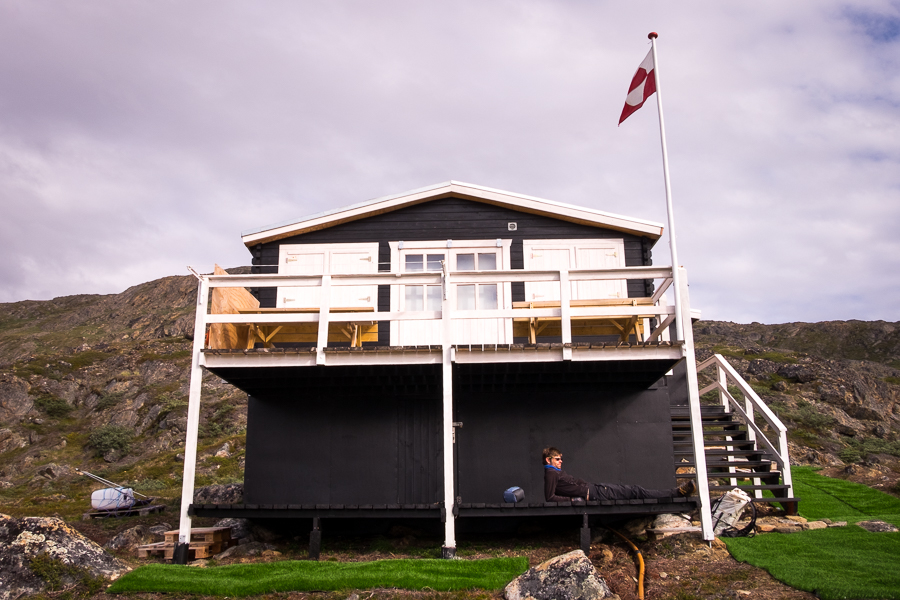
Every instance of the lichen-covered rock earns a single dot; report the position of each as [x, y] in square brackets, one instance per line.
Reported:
[232, 493]
[24, 540]
[877, 526]
[130, 539]
[10, 440]
[240, 528]
[570, 576]
[14, 399]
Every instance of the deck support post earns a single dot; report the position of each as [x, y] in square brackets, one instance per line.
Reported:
[193, 424]
[565, 313]
[694, 405]
[324, 308]
[449, 548]
[585, 534]
[315, 540]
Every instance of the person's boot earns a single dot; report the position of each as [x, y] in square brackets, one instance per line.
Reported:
[688, 488]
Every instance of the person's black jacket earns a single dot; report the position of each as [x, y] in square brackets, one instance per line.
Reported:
[559, 486]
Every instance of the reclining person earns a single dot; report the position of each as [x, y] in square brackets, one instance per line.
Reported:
[559, 486]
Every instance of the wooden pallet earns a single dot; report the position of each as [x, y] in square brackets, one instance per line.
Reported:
[205, 542]
[202, 534]
[124, 512]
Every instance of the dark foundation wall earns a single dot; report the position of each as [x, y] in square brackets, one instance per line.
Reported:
[607, 433]
[345, 445]
[366, 435]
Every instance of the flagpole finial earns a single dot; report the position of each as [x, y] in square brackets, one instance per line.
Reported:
[652, 35]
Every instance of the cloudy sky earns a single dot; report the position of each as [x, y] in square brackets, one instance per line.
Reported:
[140, 137]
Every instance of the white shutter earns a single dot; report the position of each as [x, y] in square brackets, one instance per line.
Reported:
[328, 259]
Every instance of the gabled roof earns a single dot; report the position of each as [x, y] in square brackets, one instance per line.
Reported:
[468, 191]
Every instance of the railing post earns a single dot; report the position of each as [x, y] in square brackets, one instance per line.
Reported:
[565, 313]
[193, 424]
[694, 404]
[449, 548]
[722, 380]
[751, 435]
[324, 308]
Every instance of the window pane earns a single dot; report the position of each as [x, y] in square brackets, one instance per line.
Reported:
[487, 297]
[487, 262]
[434, 262]
[432, 297]
[465, 262]
[413, 298]
[413, 263]
[465, 297]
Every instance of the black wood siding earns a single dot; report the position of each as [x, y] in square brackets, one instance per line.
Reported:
[608, 433]
[459, 219]
[344, 435]
[372, 435]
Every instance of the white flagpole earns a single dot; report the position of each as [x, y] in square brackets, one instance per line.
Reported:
[682, 325]
[676, 277]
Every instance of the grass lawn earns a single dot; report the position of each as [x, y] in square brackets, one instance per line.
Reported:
[839, 562]
[306, 576]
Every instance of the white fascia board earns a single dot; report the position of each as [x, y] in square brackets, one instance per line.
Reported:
[466, 190]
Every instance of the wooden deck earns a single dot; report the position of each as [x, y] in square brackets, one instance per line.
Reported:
[462, 353]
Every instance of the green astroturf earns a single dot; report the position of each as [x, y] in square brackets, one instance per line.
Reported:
[839, 562]
[284, 576]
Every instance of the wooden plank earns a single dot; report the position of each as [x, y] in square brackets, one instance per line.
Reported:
[230, 301]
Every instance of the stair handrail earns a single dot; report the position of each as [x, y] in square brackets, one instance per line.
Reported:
[726, 373]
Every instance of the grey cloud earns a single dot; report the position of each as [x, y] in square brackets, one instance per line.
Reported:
[137, 138]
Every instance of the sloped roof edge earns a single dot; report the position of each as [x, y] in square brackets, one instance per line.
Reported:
[531, 204]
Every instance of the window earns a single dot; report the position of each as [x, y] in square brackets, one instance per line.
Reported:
[481, 296]
[422, 297]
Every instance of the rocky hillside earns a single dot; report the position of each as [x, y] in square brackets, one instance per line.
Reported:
[101, 383]
[836, 385]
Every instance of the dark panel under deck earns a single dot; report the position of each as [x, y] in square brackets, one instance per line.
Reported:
[372, 434]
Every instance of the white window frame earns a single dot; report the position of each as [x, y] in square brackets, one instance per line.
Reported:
[449, 248]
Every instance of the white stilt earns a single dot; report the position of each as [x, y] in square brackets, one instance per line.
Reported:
[193, 417]
[449, 548]
[694, 405]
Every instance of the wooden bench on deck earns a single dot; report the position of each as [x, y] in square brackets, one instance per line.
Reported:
[268, 333]
[532, 327]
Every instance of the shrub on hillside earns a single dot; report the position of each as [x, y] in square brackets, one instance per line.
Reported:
[110, 437]
[52, 406]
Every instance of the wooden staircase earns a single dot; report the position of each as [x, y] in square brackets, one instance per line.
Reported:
[732, 457]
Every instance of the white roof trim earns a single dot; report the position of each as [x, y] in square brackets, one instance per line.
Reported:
[470, 191]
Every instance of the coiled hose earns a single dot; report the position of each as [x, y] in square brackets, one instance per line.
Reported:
[639, 559]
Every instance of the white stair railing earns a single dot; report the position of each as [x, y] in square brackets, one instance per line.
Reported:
[726, 375]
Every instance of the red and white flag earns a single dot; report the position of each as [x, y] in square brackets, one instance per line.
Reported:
[643, 85]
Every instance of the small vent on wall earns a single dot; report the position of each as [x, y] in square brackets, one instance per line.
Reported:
[512, 226]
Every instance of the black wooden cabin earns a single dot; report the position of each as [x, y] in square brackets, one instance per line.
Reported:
[363, 418]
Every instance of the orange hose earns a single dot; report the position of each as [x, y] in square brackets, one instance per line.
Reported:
[640, 563]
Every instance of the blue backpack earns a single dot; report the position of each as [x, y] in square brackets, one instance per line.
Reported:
[514, 494]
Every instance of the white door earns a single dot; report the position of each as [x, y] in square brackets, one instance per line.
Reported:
[463, 255]
[600, 257]
[549, 257]
[555, 255]
[478, 297]
[328, 259]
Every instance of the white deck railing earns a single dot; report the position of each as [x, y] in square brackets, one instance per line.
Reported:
[726, 375]
[565, 310]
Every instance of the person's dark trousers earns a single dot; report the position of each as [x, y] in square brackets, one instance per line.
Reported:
[612, 491]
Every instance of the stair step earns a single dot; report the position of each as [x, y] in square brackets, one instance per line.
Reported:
[766, 500]
[743, 464]
[727, 488]
[707, 429]
[723, 452]
[718, 443]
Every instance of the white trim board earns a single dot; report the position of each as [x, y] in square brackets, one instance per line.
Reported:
[468, 191]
